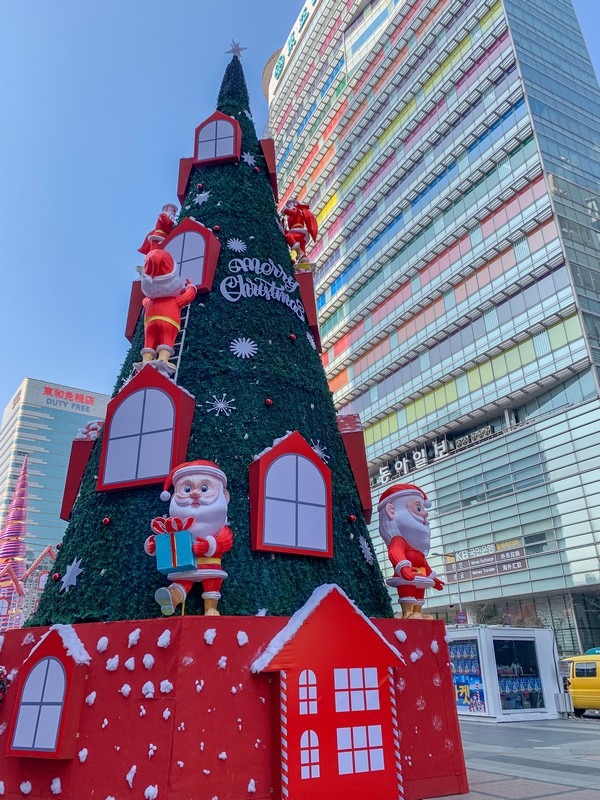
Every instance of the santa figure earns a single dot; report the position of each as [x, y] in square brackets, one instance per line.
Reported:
[403, 526]
[166, 293]
[199, 506]
[300, 226]
[164, 225]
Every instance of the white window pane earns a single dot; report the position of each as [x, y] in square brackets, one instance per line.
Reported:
[359, 735]
[312, 527]
[312, 692]
[342, 701]
[121, 459]
[315, 771]
[128, 416]
[224, 129]
[54, 690]
[304, 757]
[193, 270]
[225, 147]
[208, 132]
[312, 707]
[302, 693]
[344, 739]
[356, 678]
[376, 757]
[304, 740]
[281, 478]
[361, 761]
[311, 486]
[303, 708]
[32, 691]
[305, 773]
[194, 246]
[375, 738]
[155, 454]
[158, 411]
[357, 700]
[303, 677]
[175, 247]
[47, 731]
[340, 678]
[280, 523]
[370, 678]
[372, 699]
[206, 150]
[25, 727]
[314, 741]
[345, 763]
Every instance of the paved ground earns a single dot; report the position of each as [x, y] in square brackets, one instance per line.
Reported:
[550, 760]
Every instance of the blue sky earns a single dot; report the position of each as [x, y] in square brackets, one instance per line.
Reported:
[99, 102]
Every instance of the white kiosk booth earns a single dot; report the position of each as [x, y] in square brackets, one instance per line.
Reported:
[506, 674]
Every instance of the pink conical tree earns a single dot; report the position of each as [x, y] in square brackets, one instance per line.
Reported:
[12, 556]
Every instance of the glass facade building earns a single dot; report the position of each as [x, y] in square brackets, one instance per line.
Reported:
[41, 422]
[451, 152]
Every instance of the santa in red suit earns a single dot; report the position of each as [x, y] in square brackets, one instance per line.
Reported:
[164, 225]
[166, 293]
[300, 226]
[199, 502]
[403, 525]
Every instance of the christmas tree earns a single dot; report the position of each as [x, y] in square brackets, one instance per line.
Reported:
[252, 366]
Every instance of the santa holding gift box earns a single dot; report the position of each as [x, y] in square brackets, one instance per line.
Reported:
[403, 526]
[200, 495]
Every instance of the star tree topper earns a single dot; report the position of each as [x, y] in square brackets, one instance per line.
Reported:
[235, 49]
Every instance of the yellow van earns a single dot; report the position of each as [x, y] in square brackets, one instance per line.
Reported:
[584, 682]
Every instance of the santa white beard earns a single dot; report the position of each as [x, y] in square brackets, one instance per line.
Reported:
[208, 519]
[163, 286]
[414, 532]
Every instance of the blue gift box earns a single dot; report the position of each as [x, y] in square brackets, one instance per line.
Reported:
[174, 552]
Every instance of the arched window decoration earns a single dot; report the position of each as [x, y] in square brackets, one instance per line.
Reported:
[307, 692]
[309, 755]
[188, 250]
[216, 139]
[41, 707]
[140, 437]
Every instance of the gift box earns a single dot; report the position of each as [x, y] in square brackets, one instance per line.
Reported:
[174, 552]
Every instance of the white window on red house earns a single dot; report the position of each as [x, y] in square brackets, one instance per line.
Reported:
[140, 437]
[215, 140]
[356, 689]
[40, 710]
[307, 692]
[188, 250]
[360, 749]
[3, 607]
[309, 755]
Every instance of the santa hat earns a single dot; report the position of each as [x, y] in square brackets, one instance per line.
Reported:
[159, 264]
[191, 468]
[404, 489]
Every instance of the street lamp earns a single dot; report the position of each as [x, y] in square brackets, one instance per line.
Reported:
[451, 557]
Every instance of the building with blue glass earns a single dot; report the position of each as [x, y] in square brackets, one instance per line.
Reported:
[40, 422]
[451, 152]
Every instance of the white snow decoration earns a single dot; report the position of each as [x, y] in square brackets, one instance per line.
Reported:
[201, 746]
[164, 640]
[148, 690]
[186, 661]
[248, 158]
[130, 664]
[151, 792]
[437, 680]
[222, 662]
[83, 754]
[29, 639]
[70, 641]
[125, 690]
[206, 771]
[131, 775]
[437, 723]
[142, 711]
[420, 702]
[220, 405]
[234, 690]
[13, 673]
[446, 638]
[257, 743]
[112, 663]
[262, 612]
[416, 655]
[180, 764]
[311, 340]
[242, 638]
[300, 617]
[199, 685]
[251, 786]
[435, 646]
[2, 727]
[110, 797]
[104, 722]
[243, 347]
[148, 661]
[25, 787]
[152, 748]
[320, 450]
[91, 698]
[117, 748]
[400, 635]
[366, 550]
[166, 687]
[166, 713]
[134, 637]
[271, 446]
[401, 684]
[223, 756]
[210, 635]
[262, 700]
[181, 726]
[237, 245]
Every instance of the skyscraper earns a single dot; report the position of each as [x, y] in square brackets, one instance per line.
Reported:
[451, 152]
[40, 423]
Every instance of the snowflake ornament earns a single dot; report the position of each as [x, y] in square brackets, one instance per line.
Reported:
[320, 450]
[237, 245]
[220, 405]
[243, 347]
[201, 197]
[249, 159]
[70, 577]
[311, 340]
[366, 550]
[247, 113]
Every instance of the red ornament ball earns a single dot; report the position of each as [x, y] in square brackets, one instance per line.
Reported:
[292, 337]
[268, 402]
[106, 521]
[56, 576]
[216, 228]
[256, 169]
[351, 517]
[58, 546]
[199, 186]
